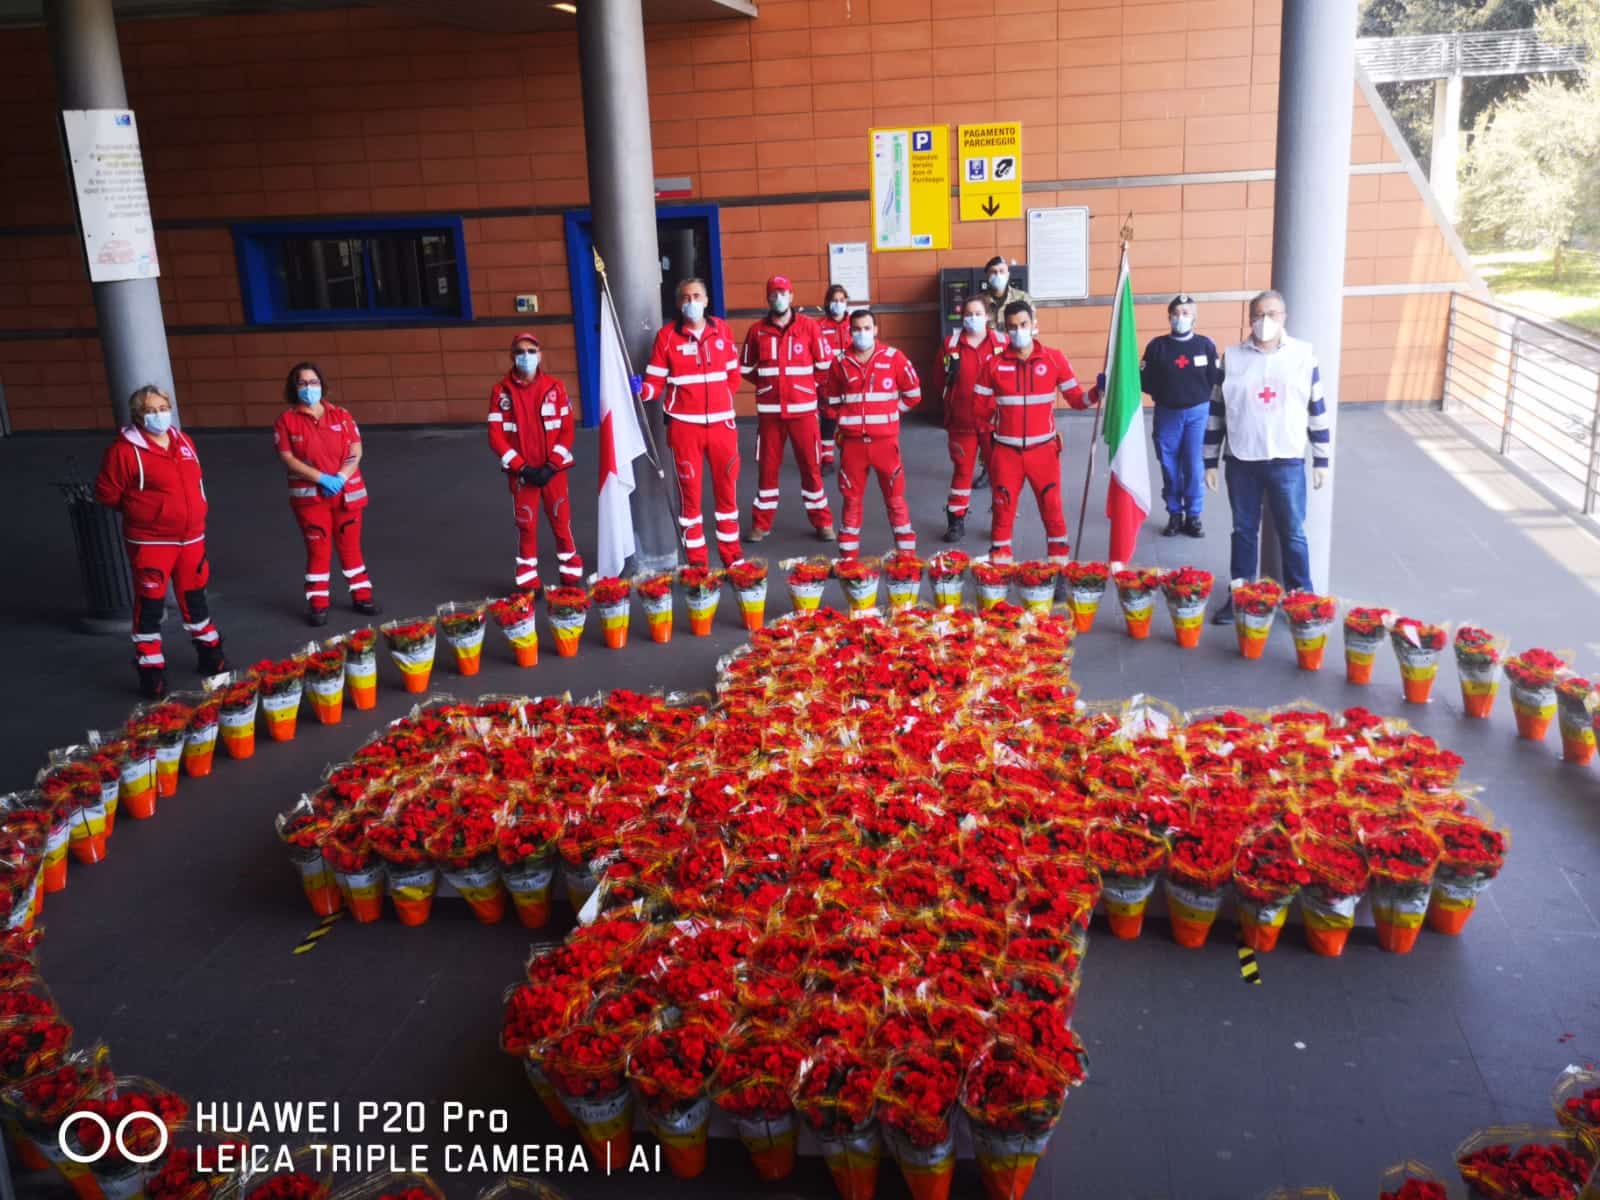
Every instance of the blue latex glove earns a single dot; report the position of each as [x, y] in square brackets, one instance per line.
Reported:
[331, 485]
[1100, 382]
[636, 382]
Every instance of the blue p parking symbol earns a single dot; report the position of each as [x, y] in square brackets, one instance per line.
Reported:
[921, 140]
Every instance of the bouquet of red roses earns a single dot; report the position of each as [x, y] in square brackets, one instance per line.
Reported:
[1255, 604]
[238, 695]
[400, 839]
[462, 623]
[1402, 859]
[115, 1173]
[517, 618]
[752, 1086]
[166, 723]
[919, 1093]
[1471, 855]
[1136, 589]
[672, 1068]
[361, 666]
[859, 577]
[1533, 675]
[1365, 628]
[200, 738]
[325, 680]
[1013, 1098]
[655, 595]
[1310, 617]
[610, 596]
[1576, 1099]
[1339, 877]
[50, 823]
[464, 845]
[36, 1106]
[749, 579]
[903, 571]
[1199, 866]
[526, 846]
[1417, 645]
[993, 580]
[702, 589]
[1412, 1181]
[1519, 1162]
[1478, 657]
[1129, 861]
[412, 642]
[588, 1066]
[1187, 589]
[836, 1094]
[1086, 585]
[1036, 584]
[302, 829]
[946, 570]
[806, 577]
[1268, 874]
[1576, 704]
[282, 684]
[568, 609]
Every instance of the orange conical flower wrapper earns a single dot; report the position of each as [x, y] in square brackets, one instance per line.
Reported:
[1125, 899]
[614, 624]
[523, 634]
[413, 645]
[605, 1124]
[947, 590]
[1576, 705]
[1365, 629]
[480, 886]
[806, 596]
[1328, 922]
[362, 892]
[169, 761]
[1398, 911]
[1188, 619]
[853, 1161]
[771, 1143]
[1261, 923]
[327, 698]
[683, 1133]
[927, 1171]
[199, 748]
[1535, 708]
[86, 831]
[1453, 902]
[1310, 643]
[411, 891]
[1138, 609]
[658, 613]
[137, 786]
[1192, 911]
[361, 677]
[611, 599]
[1007, 1161]
[281, 712]
[990, 595]
[753, 606]
[1252, 631]
[548, 1096]
[903, 594]
[239, 697]
[530, 883]
[1037, 597]
[567, 629]
[859, 578]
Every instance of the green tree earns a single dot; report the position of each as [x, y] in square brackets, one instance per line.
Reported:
[1411, 104]
[1533, 171]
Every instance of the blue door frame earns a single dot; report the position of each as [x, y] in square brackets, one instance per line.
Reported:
[586, 291]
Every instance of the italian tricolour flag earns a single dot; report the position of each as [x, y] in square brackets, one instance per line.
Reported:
[1128, 496]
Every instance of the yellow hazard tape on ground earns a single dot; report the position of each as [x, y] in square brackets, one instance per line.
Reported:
[1248, 971]
[324, 927]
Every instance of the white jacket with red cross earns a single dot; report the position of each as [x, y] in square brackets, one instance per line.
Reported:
[694, 376]
[786, 363]
[1024, 391]
[530, 423]
[868, 397]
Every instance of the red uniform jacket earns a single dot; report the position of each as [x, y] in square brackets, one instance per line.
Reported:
[323, 444]
[786, 363]
[159, 492]
[964, 410]
[835, 334]
[868, 398]
[530, 424]
[1024, 391]
[694, 377]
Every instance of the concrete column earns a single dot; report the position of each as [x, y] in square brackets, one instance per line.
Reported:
[1310, 213]
[1444, 157]
[616, 115]
[88, 68]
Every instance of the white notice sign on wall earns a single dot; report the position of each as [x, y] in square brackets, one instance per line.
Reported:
[1058, 253]
[847, 266]
[119, 239]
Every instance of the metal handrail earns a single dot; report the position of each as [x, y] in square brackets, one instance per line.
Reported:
[1538, 383]
[1440, 55]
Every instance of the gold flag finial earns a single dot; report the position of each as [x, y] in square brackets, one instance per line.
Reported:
[599, 263]
[1127, 228]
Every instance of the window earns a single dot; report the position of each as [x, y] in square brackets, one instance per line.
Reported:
[379, 270]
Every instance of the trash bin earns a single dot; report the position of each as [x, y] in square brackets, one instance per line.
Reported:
[102, 558]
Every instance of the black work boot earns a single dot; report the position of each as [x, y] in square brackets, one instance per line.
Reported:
[1193, 528]
[980, 481]
[956, 527]
[367, 607]
[152, 682]
[316, 617]
[211, 660]
[1174, 525]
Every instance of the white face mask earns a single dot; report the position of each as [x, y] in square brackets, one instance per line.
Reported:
[693, 310]
[1022, 339]
[862, 339]
[974, 324]
[1182, 324]
[779, 302]
[528, 362]
[998, 280]
[157, 423]
[836, 309]
[1265, 329]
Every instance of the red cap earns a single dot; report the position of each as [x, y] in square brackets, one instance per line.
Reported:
[524, 337]
[779, 283]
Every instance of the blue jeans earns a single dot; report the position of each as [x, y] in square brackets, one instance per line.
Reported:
[1281, 484]
[1180, 435]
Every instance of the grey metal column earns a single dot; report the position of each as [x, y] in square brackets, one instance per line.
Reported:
[88, 67]
[1310, 216]
[622, 197]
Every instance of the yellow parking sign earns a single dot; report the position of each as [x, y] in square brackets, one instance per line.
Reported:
[990, 166]
[910, 188]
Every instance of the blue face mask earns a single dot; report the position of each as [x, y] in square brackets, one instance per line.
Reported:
[974, 324]
[309, 393]
[998, 280]
[836, 309]
[1182, 324]
[862, 339]
[528, 362]
[157, 423]
[1022, 338]
[693, 310]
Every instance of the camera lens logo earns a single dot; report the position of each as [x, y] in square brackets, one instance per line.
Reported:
[118, 1139]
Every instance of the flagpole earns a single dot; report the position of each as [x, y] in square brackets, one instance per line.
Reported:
[638, 407]
[1094, 438]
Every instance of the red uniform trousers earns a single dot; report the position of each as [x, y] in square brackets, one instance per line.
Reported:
[803, 434]
[526, 500]
[185, 569]
[859, 457]
[327, 526]
[967, 450]
[1040, 467]
[693, 447]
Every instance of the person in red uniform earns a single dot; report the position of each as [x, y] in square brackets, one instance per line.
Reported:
[320, 444]
[784, 357]
[694, 372]
[835, 325]
[530, 429]
[867, 389]
[968, 418]
[1022, 382]
[151, 475]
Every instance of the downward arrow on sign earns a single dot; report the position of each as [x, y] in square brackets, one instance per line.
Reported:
[990, 207]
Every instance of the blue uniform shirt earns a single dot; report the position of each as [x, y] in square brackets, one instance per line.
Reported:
[1180, 372]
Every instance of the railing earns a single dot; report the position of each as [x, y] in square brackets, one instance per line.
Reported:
[1531, 386]
[1437, 55]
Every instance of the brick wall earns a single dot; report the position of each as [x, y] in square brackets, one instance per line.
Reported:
[368, 111]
